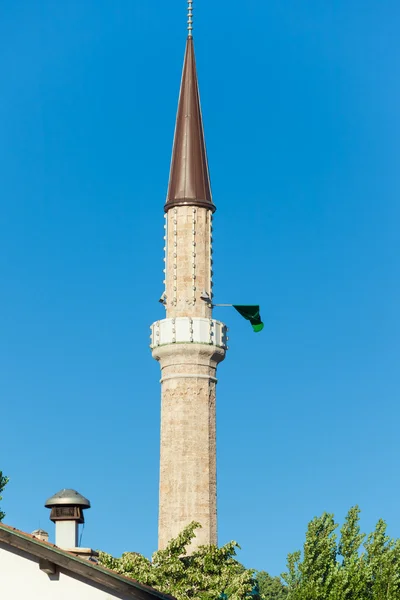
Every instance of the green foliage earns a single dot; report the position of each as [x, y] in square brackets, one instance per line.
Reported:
[382, 564]
[351, 577]
[209, 573]
[270, 588]
[346, 569]
[349, 566]
[3, 483]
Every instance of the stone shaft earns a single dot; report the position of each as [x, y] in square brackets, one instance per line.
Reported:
[188, 261]
[188, 440]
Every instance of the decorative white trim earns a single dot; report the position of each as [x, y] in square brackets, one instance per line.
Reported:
[165, 259]
[210, 237]
[188, 330]
[175, 257]
[188, 376]
[194, 250]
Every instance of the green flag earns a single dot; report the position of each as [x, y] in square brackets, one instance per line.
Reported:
[252, 314]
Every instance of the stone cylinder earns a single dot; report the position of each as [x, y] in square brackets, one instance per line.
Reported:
[188, 262]
[188, 440]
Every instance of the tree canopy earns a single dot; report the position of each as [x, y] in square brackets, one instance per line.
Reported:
[209, 573]
[345, 565]
[3, 483]
[270, 588]
[351, 566]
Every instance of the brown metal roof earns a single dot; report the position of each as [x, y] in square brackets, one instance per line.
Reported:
[189, 182]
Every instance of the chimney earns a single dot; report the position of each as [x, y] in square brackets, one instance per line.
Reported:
[67, 508]
[41, 535]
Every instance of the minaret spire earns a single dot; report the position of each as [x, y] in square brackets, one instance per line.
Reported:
[189, 181]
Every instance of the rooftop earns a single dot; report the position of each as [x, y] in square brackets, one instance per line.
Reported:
[68, 561]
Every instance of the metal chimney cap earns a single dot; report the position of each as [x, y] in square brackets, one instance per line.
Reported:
[68, 498]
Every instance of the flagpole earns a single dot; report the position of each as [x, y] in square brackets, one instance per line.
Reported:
[222, 304]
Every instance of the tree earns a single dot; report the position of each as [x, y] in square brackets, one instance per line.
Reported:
[349, 566]
[209, 573]
[382, 564]
[314, 576]
[3, 483]
[351, 579]
[270, 588]
[345, 569]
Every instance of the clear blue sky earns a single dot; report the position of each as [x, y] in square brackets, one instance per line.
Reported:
[301, 109]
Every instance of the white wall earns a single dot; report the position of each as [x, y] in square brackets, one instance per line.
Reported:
[21, 579]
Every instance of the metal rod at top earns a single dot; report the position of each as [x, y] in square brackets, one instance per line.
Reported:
[190, 18]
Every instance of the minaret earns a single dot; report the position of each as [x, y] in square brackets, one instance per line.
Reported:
[188, 343]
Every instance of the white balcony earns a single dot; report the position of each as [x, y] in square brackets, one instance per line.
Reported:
[186, 330]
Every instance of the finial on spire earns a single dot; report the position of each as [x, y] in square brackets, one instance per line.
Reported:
[190, 17]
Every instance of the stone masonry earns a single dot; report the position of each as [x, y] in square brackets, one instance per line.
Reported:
[188, 261]
[188, 487]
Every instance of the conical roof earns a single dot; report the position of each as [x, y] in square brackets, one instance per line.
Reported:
[67, 498]
[189, 182]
